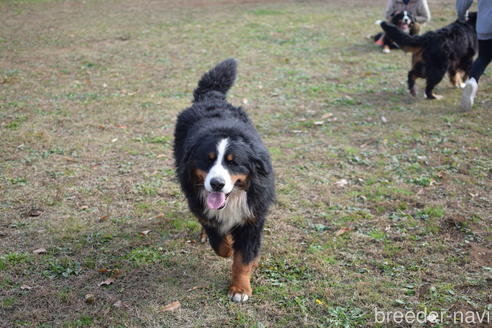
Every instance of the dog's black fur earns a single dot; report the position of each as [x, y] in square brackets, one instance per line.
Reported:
[198, 130]
[397, 20]
[449, 49]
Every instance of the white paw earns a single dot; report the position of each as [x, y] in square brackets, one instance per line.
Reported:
[386, 51]
[378, 22]
[462, 85]
[238, 297]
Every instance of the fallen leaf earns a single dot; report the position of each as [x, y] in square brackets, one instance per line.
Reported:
[25, 287]
[39, 251]
[90, 298]
[34, 212]
[319, 122]
[145, 232]
[160, 216]
[114, 140]
[341, 183]
[171, 306]
[342, 231]
[70, 159]
[106, 282]
[245, 101]
[103, 218]
[384, 119]
[194, 288]
[83, 207]
[118, 304]
[327, 115]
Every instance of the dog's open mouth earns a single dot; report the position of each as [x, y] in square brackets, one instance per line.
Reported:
[217, 200]
[405, 27]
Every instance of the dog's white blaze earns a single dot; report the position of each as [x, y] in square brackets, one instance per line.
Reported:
[406, 18]
[234, 213]
[218, 170]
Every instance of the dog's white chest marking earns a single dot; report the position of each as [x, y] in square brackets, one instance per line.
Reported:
[235, 212]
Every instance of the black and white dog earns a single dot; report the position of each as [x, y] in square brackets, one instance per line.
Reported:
[449, 49]
[226, 174]
[405, 21]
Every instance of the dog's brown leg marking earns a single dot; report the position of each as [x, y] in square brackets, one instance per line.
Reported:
[453, 78]
[241, 275]
[459, 78]
[225, 247]
[203, 236]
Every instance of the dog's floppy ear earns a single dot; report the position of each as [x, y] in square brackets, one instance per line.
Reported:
[260, 163]
[396, 12]
[188, 163]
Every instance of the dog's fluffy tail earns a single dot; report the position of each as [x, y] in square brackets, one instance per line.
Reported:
[403, 40]
[218, 80]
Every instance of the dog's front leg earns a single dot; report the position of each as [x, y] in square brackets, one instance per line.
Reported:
[247, 243]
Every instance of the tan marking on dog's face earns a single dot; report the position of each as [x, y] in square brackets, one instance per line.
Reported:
[241, 180]
[200, 174]
[212, 156]
[230, 157]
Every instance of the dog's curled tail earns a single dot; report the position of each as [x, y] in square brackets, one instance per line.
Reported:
[403, 40]
[218, 80]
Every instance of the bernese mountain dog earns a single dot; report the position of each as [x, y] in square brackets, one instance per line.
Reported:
[225, 173]
[405, 21]
[449, 49]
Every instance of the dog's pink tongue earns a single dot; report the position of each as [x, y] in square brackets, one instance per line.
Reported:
[216, 200]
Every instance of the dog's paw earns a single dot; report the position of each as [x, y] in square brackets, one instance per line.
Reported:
[434, 97]
[378, 22]
[386, 50]
[461, 85]
[238, 297]
[203, 237]
[238, 294]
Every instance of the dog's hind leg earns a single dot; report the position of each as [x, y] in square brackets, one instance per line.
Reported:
[456, 75]
[465, 66]
[434, 74]
[416, 72]
[203, 236]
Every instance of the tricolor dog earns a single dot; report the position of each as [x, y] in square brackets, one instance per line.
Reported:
[226, 174]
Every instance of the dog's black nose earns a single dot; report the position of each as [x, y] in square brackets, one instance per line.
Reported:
[217, 184]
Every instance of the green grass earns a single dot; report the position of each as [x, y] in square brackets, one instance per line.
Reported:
[87, 111]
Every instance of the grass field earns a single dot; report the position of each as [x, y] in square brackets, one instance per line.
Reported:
[384, 200]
